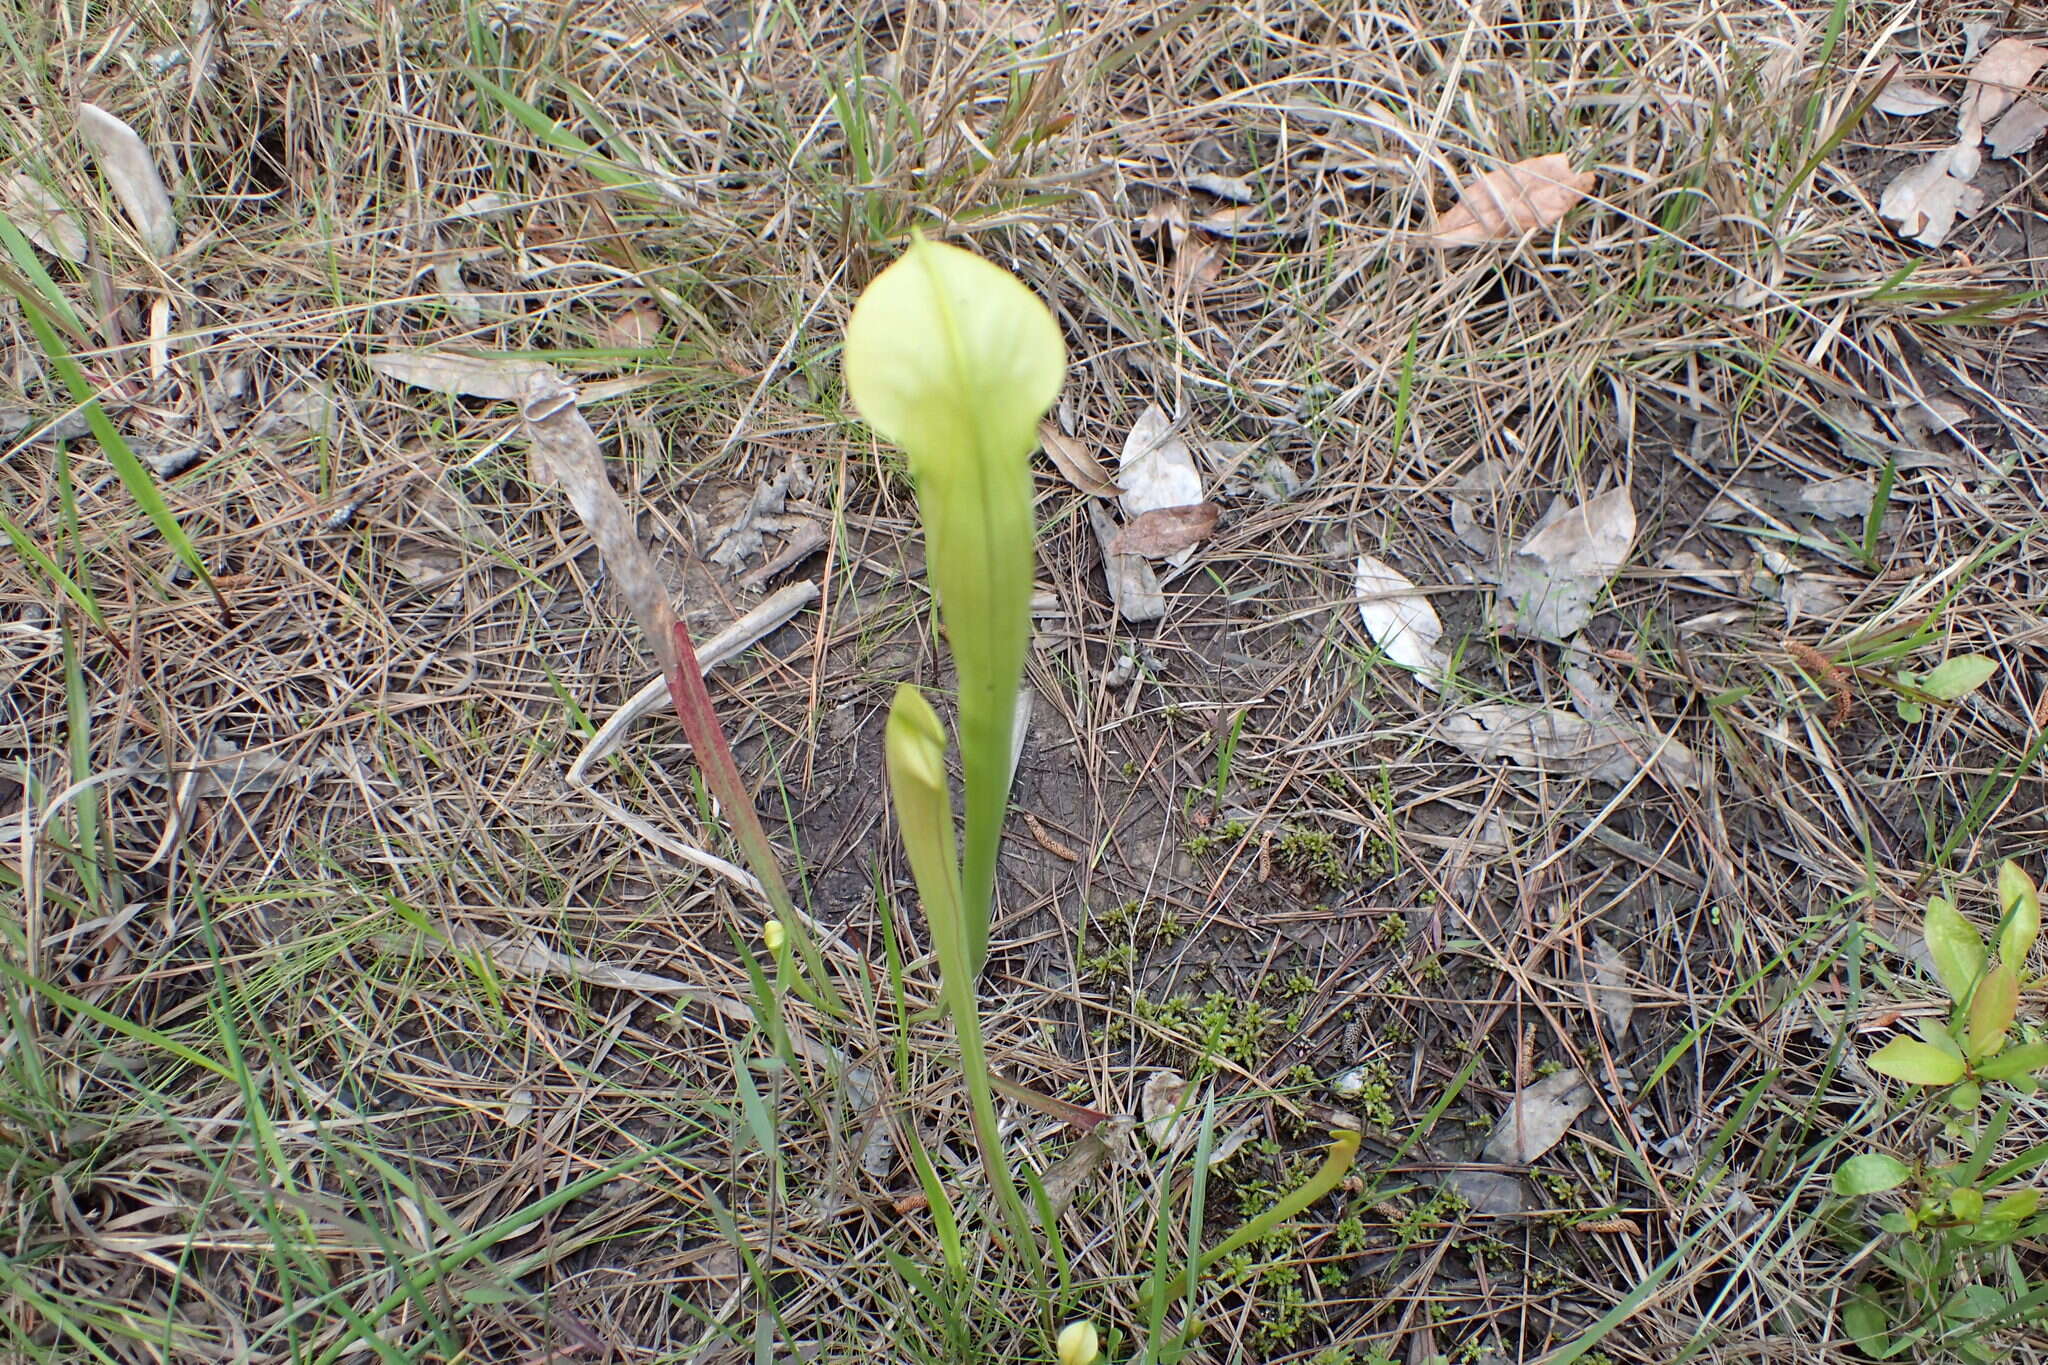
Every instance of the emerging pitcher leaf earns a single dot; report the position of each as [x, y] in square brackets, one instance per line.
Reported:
[954, 360]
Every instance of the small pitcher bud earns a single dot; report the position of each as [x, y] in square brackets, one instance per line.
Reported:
[1078, 1344]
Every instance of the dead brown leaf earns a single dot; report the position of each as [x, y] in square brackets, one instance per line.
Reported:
[1166, 530]
[631, 328]
[1076, 462]
[1503, 204]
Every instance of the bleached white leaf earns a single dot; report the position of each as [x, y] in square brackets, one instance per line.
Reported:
[1904, 99]
[1163, 1106]
[43, 219]
[132, 175]
[1538, 1118]
[1550, 740]
[1226, 1146]
[1831, 499]
[1156, 469]
[1553, 577]
[1400, 620]
[1927, 200]
[474, 376]
[2018, 129]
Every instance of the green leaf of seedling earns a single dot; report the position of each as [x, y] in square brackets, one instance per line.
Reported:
[1965, 1096]
[2019, 901]
[1864, 1321]
[1954, 945]
[2014, 1062]
[2016, 1207]
[951, 358]
[1992, 1007]
[1871, 1173]
[1954, 679]
[1966, 1204]
[1916, 1063]
[1911, 712]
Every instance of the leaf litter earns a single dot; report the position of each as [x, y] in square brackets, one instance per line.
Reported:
[1157, 470]
[132, 175]
[1927, 200]
[1538, 1117]
[1507, 203]
[42, 218]
[1546, 739]
[1400, 620]
[1553, 577]
[1165, 531]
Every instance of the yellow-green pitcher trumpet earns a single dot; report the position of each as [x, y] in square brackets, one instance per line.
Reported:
[951, 358]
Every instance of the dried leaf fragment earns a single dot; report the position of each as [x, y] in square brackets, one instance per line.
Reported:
[1157, 469]
[471, 376]
[1504, 204]
[1076, 462]
[1607, 971]
[1163, 1106]
[1538, 1118]
[1999, 77]
[1927, 200]
[2018, 130]
[1165, 531]
[132, 175]
[1549, 740]
[1400, 620]
[1904, 99]
[43, 219]
[1553, 577]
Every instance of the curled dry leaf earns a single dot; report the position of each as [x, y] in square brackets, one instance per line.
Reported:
[1163, 1105]
[1165, 531]
[1075, 461]
[132, 175]
[565, 449]
[1904, 99]
[1503, 204]
[1553, 577]
[1133, 586]
[1538, 1118]
[1550, 740]
[1157, 470]
[44, 220]
[470, 376]
[1927, 200]
[1400, 620]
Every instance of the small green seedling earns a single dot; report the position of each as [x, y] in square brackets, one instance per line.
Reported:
[1943, 685]
[1947, 1269]
[1970, 1047]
